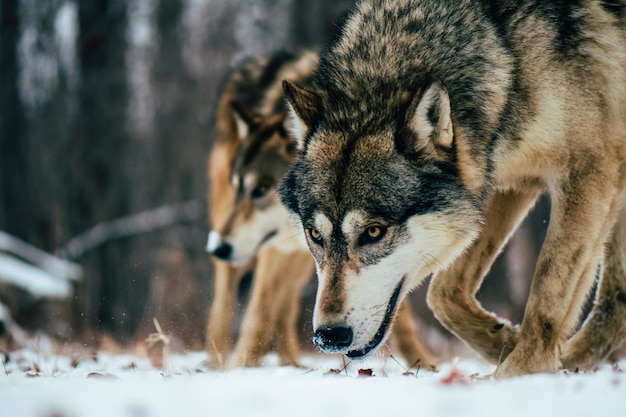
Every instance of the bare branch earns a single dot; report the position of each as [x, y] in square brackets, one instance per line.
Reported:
[145, 221]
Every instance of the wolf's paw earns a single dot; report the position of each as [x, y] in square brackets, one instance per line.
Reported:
[523, 361]
[583, 359]
[291, 362]
[214, 364]
[600, 339]
[238, 360]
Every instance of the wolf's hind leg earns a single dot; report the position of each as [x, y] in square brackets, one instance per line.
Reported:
[605, 329]
[406, 339]
[452, 292]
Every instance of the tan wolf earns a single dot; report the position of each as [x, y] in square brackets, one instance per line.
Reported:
[431, 128]
[251, 228]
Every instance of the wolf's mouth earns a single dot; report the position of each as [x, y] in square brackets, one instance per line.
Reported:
[382, 330]
[267, 237]
[242, 260]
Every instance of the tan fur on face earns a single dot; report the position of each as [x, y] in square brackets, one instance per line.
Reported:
[281, 267]
[271, 320]
[226, 277]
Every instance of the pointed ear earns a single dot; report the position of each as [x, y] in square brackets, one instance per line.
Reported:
[304, 107]
[428, 117]
[292, 143]
[244, 121]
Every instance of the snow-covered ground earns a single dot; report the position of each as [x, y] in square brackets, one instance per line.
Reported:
[36, 384]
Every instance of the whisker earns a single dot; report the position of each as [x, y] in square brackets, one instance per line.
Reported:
[429, 260]
[293, 235]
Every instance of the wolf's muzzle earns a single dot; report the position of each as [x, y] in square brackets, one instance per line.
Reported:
[217, 247]
[339, 339]
[332, 339]
[223, 251]
[382, 330]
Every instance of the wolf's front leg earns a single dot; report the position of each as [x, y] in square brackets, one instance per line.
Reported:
[270, 314]
[584, 206]
[259, 319]
[296, 273]
[220, 317]
[452, 292]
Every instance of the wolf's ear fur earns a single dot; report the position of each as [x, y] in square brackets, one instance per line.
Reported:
[428, 117]
[244, 121]
[304, 107]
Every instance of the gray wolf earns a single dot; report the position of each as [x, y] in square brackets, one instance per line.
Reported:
[430, 130]
[251, 228]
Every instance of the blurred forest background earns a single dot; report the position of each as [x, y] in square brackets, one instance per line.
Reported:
[106, 120]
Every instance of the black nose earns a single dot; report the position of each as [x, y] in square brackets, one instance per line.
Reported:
[333, 338]
[223, 251]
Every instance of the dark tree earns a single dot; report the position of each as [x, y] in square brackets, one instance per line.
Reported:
[14, 193]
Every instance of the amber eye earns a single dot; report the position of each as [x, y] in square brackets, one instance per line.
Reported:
[372, 234]
[315, 235]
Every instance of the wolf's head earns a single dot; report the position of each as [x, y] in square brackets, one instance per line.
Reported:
[255, 217]
[382, 209]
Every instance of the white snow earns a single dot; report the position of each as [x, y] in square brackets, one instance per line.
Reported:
[62, 268]
[34, 270]
[35, 384]
[34, 280]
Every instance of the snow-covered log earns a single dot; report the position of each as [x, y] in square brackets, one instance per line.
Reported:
[40, 273]
[50, 263]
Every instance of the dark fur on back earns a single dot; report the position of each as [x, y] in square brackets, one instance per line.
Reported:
[397, 52]
[255, 76]
[366, 82]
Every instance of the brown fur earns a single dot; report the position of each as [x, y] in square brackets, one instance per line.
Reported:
[534, 103]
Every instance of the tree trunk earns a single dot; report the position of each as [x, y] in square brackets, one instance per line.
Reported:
[14, 192]
[97, 186]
